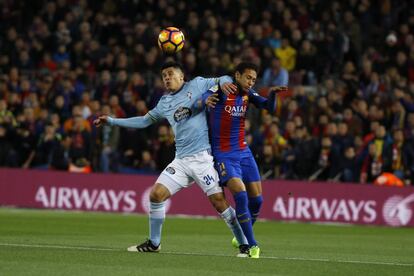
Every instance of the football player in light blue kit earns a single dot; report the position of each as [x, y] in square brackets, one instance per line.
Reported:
[193, 160]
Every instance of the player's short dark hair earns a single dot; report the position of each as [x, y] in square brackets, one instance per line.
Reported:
[243, 66]
[173, 64]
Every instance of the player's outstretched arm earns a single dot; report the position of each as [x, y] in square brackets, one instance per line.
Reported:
[271, 103]
[133, 122]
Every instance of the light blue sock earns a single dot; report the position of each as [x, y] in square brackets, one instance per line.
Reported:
[156, 217]
[229, 216]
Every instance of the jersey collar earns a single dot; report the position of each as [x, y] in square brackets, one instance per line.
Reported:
[179, 90]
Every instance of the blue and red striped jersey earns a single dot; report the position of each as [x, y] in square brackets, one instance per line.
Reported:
[227, 119]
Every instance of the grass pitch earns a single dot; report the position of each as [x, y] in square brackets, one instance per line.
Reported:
[68, 243]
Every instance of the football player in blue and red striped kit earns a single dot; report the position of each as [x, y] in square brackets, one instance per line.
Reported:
[234, 161]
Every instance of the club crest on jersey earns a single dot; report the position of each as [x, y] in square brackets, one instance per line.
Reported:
[182, 113]
[170, 170]
[189, 94]
[236, 111]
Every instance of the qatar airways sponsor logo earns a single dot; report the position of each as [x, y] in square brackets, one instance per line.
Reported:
[236, 111]
[348, 210]
[85, 199]
[397, 210]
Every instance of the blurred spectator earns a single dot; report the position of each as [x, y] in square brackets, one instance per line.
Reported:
[402, 156]
[105, 87]
[352, 122]
[77, 118]
[80, 150]
[275, 75]
[6, 116]
[41, 155]
[8, 156]
[275, 140]
[108, 140]
[343, 140]
[350, 76]
[61, 158]
[378, 158]
[287, 55]
[306, 153]
[323, 169]
[146, 164]
[409, 127]
[268, 163]
[137, 87]
[371, 166]
[349, 167]
[115, 107]
[306, 63]
[164, 147]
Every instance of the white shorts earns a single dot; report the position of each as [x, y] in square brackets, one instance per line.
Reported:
[199, 168]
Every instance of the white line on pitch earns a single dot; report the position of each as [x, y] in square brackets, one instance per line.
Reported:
[58, 247]
[203, 254]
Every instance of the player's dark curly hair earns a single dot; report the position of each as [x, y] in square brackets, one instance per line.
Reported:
[242, 66]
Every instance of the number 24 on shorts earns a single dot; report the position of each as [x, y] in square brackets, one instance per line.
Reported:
[208, 179]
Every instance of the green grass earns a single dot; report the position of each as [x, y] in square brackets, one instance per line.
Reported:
[66, 243]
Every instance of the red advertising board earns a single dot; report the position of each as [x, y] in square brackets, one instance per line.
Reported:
[283, 200]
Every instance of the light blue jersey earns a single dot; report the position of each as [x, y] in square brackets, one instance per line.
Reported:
[190, 129]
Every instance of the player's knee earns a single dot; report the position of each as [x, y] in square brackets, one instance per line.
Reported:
[155, 196]
[236, 185]
[158, 194]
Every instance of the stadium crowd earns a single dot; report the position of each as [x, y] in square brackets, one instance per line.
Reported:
[349, 114]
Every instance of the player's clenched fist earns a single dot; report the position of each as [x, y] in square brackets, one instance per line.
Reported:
[101, 120]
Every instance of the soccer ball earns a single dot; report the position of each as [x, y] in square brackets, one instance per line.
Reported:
[171, 40]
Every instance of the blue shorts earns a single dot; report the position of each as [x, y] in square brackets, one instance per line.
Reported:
[240, 165]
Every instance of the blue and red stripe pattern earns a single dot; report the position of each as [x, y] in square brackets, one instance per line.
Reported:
[227, 119]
